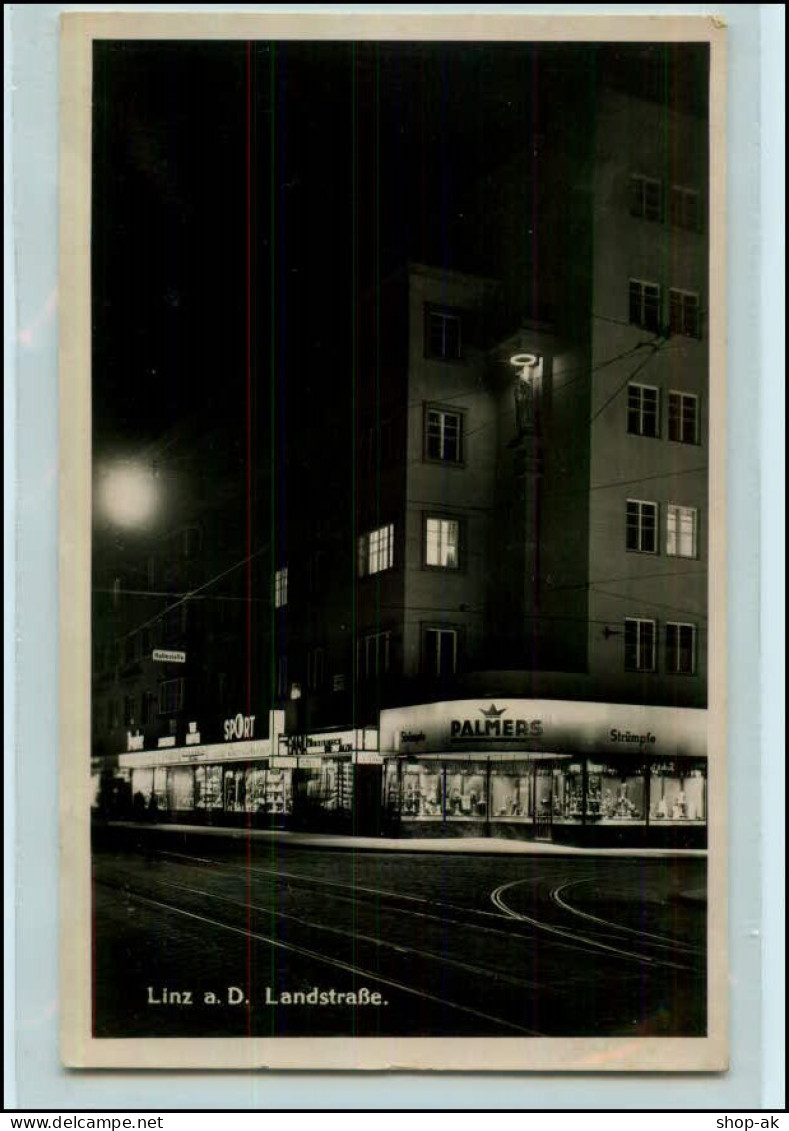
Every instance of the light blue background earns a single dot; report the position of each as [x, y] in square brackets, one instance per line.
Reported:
[755, 253]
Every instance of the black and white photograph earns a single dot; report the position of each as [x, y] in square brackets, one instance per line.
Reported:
[402, 719]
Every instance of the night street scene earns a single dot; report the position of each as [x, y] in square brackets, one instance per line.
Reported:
[400, 402]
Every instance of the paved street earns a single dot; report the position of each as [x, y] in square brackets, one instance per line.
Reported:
[198, 936]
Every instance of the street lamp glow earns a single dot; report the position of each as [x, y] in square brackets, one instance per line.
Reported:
[128, 495]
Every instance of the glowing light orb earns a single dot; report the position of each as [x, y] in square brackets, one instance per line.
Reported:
[128, 495]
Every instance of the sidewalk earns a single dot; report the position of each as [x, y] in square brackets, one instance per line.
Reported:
[492, 846]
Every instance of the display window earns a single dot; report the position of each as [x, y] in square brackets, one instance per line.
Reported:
[615, 793]
[568, 793]
[255, 794]
[678, 792]
[278, 796]
[422, 791]
[235, 790]
[180, 787]
[465, 792]
[142, 788]
[208, 787]
[511, 792]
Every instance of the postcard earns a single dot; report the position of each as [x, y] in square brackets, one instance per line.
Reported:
[393, 611]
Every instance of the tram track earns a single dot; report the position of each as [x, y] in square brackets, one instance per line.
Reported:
[357, 971]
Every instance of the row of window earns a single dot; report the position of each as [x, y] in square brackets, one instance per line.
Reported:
[645, 308]
[644, 414]
[146, 708]
[642, 524]
[648, 202]
[641, 646]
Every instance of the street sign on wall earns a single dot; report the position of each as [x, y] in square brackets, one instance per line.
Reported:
[165, 657]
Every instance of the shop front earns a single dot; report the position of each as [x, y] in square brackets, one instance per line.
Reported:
[585, 773]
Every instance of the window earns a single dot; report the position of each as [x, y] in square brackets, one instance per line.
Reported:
[643, 410]
[646, 198]
[113, 716]
[440, 652]
[639, 645]
[443, 435]
[374, 655]
[149, 708]
[641, 527]
[171, 696]
[681, 649]
[645, 305]
[338, 681]
[281, 587]
[678, 791]
[442, 540]
[684, 313]
[129, 714]
[683, 418]
[442, 335]
[685, 208]
[681, 525]
[190, 541]
[282, 677]
[316, 665]
[376, 551]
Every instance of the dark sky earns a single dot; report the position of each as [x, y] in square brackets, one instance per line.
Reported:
[244, 194]
[355, 157]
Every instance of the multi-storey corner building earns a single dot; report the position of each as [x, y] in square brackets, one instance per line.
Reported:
[488, 604]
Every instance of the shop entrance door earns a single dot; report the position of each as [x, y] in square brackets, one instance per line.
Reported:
[367, 800]
[543, 801]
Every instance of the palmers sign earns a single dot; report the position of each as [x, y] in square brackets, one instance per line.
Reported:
[557, 726]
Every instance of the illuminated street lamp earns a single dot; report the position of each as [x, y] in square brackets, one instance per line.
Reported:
[128, 495]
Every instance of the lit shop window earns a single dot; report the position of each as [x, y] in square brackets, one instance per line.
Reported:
[646, 198]
[615, 793]
[465, 792]
[208, 787]
[180, 787]
[641, 526]
[678, 792]
[683, 313]
[681, 527]
[680, 648]
[373, 655]
[640, 645]
[281, 587]
[442, 335]
[171, 696]
[440, 651]
[235, 791]
[644, 305]
[443, 435]
[511, 792]
[375, 551]
[683, 418]
[442, 540]
[685, 208]
[422, 792]
[643, 410]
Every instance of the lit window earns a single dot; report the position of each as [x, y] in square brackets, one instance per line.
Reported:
[443, 435]
[685, 208]
[643, 410]
[645, 305]
[442, 537]
[681, 649]
[373, 655]
[639, 645]
[440, 651]
[683, 418]
[281, 587]
[171, 696]
[641, 527]
[681, 531]
[442, 335]
[375, 551]
[646, 198]
[684, 313]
